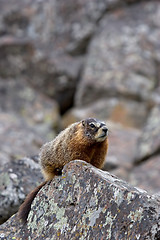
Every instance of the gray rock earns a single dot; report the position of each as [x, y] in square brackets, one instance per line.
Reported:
[17, 139]
[17, 179]
[122, 147]
[146, 175]
[123, 56]
[149, 142]
[87, 203]
[32, 52]
[38, 111]
[50, 38]
[128, 113]
[16, 53]
[56, 76]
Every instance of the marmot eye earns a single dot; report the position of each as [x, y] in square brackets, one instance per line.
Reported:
[92, 125]
[83, 123]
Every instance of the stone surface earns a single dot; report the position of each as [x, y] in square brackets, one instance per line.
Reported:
[149, 141]
[17, 179]
[46, 66]
[56, 76]
[16, 53]
[49, 57]
[17, 139]
[123, 57]
[111, 50]
[87, 203]
[19, 98]
[114, 109]
[146, 175]
[68, 25]
[122, 147]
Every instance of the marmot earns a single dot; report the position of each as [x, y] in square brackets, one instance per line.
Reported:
[85, 140]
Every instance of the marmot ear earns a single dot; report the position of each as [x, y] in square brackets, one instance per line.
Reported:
[83, 122]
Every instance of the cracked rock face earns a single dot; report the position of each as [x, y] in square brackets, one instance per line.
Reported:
[87, 203]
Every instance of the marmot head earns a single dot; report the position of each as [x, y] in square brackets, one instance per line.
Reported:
[95, 129]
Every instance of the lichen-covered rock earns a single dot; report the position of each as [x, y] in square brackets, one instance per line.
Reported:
[17, 179]
[87, 203]
[149, 142]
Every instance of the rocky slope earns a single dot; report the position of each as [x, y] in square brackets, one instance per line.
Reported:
[61, 61]
[87, 203]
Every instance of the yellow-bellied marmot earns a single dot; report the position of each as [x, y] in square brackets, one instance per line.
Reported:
[85, 140]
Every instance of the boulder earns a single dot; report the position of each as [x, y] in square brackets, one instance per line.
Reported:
[87, 203]
[122, 150]
[16, 53]
[28, 48]
[123, 59]
[67, 25]
[115, 109]
[146, 175]
[56, 76]
[18, 98]
[149, 141]
[17, 139]
[17, 179]
[47, 40]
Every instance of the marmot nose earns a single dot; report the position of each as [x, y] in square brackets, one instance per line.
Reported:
[105, 129]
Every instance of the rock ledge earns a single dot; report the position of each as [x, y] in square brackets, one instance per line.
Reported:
[87, 203]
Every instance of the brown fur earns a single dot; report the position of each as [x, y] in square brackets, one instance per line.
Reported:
[78, 141]
[26, 206]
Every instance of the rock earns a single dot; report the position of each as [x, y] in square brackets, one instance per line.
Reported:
[67, 25]
[49, 57]
[87, 203]
[122, 149]
[146, 175]
[123, 57]
[149, 141]
[17, 179]
[51, 75]
[16, 53]
[77, 20]
[47, 69]
[56, 76]
[17, 139]
[114, 109]
[19, 98]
